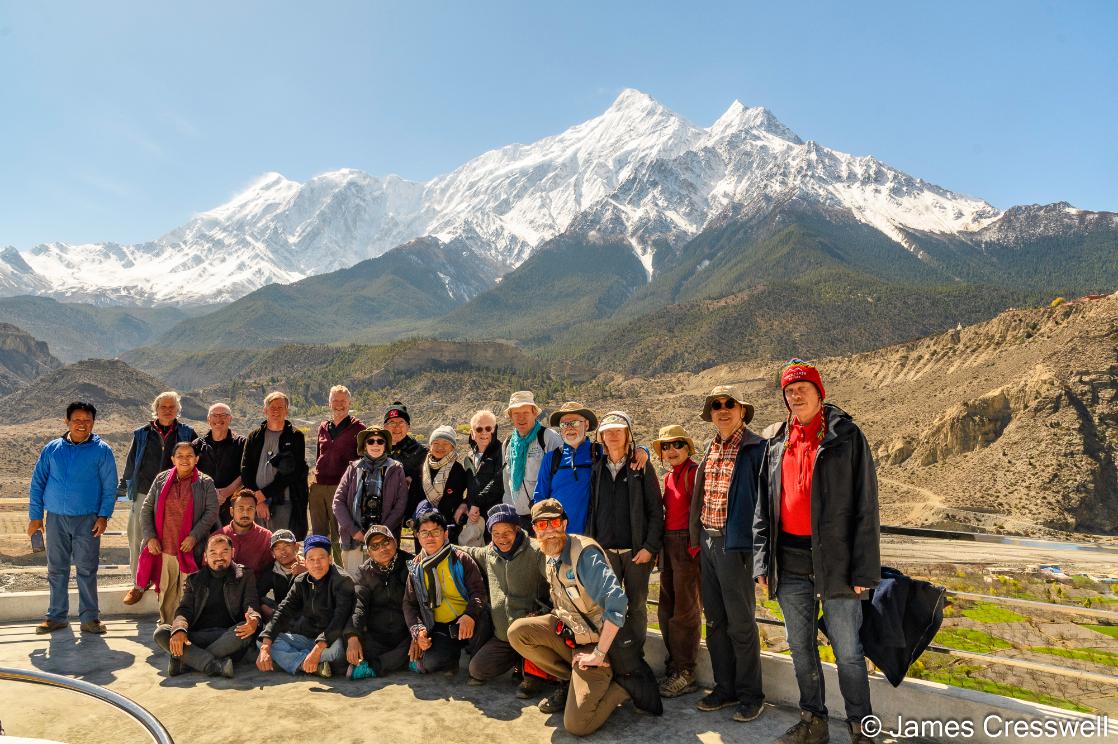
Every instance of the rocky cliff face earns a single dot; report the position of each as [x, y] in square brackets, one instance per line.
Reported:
[22, 358]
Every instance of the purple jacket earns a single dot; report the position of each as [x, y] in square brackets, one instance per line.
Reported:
[394, 499]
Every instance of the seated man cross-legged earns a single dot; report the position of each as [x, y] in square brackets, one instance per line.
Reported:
[217, 617]
[377, 639]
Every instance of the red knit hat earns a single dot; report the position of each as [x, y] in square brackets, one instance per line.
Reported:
[798, 370]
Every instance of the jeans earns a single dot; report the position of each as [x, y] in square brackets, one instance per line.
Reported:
[731, 605]
[206, 645]
[70, 538]
[796, 595]
[290, 649]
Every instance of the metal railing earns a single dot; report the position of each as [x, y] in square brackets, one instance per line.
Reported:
[151, 724]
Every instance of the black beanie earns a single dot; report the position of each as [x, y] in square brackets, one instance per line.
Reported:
[397, 410]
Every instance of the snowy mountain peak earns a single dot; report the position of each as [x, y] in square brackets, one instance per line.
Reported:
[739, 118]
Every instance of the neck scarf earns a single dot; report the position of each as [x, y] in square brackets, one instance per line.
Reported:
[515, 547]
[429, 564]
[518, 454]
[434, 489]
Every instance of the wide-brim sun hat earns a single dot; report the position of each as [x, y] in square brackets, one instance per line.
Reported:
[725, 391]
[671, 433]
[572, 407]
[520, 399]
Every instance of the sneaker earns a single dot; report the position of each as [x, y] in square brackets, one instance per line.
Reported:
[529, 687]
[225, 668]
[414, 667]
[678, 684]
[557, 700]
[361, 671]
[324, 670]
[49, 626]
[715, 700]
[749, 711]
[94, 626]
[134, 595]
[175, 667]
[857, 735]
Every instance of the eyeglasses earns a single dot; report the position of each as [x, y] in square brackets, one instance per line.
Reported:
[380, 545]
[429, 533]
[542, 524]
[480, 429]
[674, 445]
[571, 424]
[718, 405]
[375, 440]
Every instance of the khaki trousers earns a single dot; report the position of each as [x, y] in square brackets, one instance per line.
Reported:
[593, 694]
[320, 504]
[171, 584]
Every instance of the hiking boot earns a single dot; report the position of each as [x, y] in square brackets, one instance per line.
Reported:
[361, 671]
[715, 700]
[557, 700]
[529, 687]
[175, 667]
[134, 595]
[49, 626]
[749, 711]
[858, 736]
[679, 683]
[94, 626]
[811, 729]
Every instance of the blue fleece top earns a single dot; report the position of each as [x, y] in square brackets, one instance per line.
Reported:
[74, 479]
[571, 483]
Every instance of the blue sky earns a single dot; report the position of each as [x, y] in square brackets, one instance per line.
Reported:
[118, 120]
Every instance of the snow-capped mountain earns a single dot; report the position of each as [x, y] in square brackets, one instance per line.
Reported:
[638, 171]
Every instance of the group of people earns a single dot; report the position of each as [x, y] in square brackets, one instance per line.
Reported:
[533, 554]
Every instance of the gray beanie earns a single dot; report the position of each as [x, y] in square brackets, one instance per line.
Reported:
[444, 432]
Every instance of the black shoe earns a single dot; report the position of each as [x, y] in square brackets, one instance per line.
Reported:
[715, 700]
[220, 668]
[557, 700]
[175, 667]
[858, 736]
[749, 711]
[811, 729]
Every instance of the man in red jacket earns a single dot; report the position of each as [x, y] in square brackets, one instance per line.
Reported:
[816, 540]
[337, 447]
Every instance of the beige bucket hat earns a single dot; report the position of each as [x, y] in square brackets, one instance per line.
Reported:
[522, 398]
[573, 407]
[725, 391]
[671, 433]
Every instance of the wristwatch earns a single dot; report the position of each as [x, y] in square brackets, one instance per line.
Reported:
[599, 653]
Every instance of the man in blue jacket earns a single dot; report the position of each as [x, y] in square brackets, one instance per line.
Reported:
[75, 482]
[721, 526]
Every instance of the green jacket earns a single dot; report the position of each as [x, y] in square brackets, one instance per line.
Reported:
[517, 587]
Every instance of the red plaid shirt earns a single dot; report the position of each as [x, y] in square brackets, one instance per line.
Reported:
[717, 472]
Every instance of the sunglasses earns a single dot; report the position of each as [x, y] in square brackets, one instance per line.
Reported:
[571, 424]
[542, 524]
[380, 545]
[480, 429]
[674, 445]
[375, 440]
[719, 405]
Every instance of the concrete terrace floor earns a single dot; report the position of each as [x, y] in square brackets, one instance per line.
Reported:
[402, 707]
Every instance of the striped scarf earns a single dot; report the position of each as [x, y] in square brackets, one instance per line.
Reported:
[434, 489]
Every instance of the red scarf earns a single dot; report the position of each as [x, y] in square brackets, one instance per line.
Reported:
[149, 566]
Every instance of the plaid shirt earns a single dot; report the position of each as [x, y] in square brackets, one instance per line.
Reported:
[717, 471]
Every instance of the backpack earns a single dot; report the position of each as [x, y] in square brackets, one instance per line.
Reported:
[596, 450]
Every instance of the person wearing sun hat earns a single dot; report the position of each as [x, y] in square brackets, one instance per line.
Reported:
[626, 515]
[372, 490]
[817, 534]
[523, 451]
[720, 523]
[681, 601]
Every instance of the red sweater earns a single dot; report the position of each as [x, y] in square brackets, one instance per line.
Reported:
[679, 484]
[335, 452]
[253, 550]
[795, 475]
